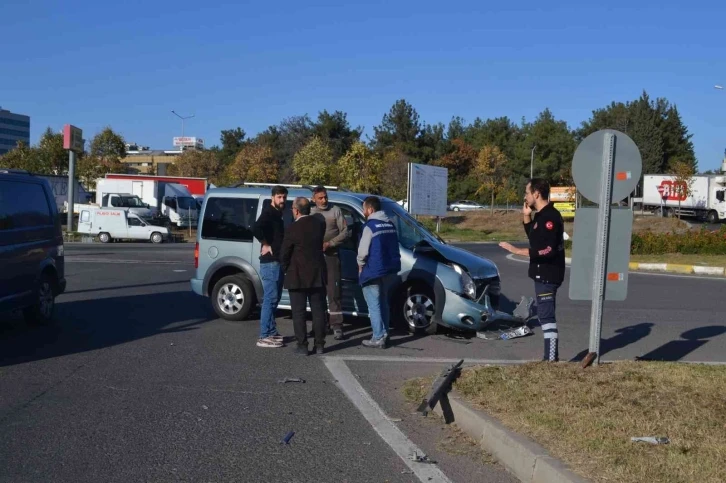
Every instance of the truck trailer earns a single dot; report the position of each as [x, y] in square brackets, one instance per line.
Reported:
[663, 194]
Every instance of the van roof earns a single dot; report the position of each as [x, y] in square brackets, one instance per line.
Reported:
[295, 192]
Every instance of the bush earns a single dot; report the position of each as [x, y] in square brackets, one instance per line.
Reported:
[705, 242]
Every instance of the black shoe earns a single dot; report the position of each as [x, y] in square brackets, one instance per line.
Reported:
[301, 349]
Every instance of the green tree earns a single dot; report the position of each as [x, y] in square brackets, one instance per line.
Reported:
[50, 149]
[394, 184]
[198, 164]
[336, 131]
[399, 129]
[361, 170]
[432, 143]
[232, 141]
[489, 171]
[500, 132]
[109, 148]
[25, 157]
[554, 144]
[459, 161]
[254, 163]
[313, 164]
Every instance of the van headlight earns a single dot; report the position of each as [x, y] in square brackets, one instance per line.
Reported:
[466, 281]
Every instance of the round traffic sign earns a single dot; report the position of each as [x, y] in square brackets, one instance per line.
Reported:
[588, 166]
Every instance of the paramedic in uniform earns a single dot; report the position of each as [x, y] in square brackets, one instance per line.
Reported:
[546, 252]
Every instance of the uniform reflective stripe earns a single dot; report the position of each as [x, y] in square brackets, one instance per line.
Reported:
[550, 335]
[549, 326]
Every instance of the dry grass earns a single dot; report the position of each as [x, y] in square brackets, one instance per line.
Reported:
[586, 417]
[683, 259]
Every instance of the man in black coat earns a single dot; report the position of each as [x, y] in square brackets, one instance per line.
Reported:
[303, 263]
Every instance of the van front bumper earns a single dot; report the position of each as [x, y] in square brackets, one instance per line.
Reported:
[197, 286]
[465, 314]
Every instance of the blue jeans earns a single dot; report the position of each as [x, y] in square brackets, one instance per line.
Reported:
[272, 281]
[376, 293]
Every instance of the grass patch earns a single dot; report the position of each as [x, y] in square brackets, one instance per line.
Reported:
[415, 390]
[677, 258]
[587, 417]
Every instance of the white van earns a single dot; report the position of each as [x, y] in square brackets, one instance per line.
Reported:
[111, 224]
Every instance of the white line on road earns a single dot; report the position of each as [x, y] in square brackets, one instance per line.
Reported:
[431, 360]
[388, 431]
[636, 272]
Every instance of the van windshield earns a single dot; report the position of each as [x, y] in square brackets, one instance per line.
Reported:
[410, 231]
[186, 202]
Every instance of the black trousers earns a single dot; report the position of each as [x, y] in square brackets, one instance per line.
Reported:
[334, 290]
[298, 304]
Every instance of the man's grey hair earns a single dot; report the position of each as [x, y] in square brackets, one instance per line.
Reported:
[302, 205]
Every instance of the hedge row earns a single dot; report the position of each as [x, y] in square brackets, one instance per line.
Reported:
[703, 242]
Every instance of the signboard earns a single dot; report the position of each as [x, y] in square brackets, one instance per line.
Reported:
[427, 189]
[72, 138]
[606, 168]
[189, 141]
[563, 198]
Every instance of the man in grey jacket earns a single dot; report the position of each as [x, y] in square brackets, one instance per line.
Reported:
[336, 232]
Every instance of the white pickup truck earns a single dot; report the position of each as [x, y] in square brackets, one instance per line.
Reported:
[118, 224]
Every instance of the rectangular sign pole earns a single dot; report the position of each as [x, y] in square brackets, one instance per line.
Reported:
[598, 282]
[71, 188]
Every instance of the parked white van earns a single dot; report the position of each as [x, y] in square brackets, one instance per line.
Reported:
[117, 224]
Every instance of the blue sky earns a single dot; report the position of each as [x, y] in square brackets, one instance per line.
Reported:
[231, 64]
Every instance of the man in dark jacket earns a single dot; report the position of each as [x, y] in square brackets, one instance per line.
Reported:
[303, 262]
[379, 261]
[546, 258]
[269, 231]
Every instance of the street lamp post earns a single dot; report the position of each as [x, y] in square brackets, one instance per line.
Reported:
[183, 119]
[531, 163]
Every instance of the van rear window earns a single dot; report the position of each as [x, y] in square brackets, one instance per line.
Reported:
[23, 205]
[229, 219]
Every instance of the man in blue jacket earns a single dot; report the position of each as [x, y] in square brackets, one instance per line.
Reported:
[379, 261]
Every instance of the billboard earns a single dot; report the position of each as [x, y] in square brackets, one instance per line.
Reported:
[427, 189]
[189, 141]
[72, 138]
[563, 198]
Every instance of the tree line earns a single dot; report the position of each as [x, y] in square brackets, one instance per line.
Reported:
[488, 159]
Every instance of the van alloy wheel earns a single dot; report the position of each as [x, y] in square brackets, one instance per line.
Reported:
[230, 298]
[156, 237]
[104, 237]
[46, 300]
[233, 297]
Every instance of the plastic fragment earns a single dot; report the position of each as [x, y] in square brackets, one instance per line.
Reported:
[650, 439]
[288, 437]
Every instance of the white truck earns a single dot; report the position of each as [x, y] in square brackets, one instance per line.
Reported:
[161, 198]
[706, 201]
[118, 224]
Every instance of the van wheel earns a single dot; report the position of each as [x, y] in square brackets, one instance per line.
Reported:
[156, 237]
[104, 237]
[712, 217]
[232, 297]
[41, 312]
[417, 304]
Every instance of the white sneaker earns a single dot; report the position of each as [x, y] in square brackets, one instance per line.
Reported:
[269, 342]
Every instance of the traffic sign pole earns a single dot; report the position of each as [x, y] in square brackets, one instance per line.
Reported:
[598, 281]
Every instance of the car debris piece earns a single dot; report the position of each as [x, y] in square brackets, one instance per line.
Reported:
[421, 458]
[439, 390]
[650, 439]
[292, 379]
[287, 438]
[407, 472]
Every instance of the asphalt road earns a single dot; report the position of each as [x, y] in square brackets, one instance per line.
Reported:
[139, 381]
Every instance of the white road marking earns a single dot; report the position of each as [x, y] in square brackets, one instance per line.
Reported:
[387, 430]
[638, 272]
[430, 360]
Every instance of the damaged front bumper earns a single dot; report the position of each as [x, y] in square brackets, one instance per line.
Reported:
[478, 315]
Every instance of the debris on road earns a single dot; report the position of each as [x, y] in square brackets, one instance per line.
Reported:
[407, 472]
[205, 407]
[510, 334]
[287, 438]
[650, 439]
[292, 379]
[421, 458]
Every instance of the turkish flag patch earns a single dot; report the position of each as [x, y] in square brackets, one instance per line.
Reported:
[549, 225]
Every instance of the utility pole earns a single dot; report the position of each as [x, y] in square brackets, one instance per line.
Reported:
[182, 119]
[531, 163]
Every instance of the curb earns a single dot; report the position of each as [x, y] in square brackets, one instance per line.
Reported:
[671, 268]
[524, 458]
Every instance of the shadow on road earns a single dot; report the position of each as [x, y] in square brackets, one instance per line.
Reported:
[87, 325]
[624, 337]
[121, 287]
[677, 349]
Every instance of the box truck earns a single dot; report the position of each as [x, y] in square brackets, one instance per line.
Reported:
[59, 185]
[164, 199]
[118, 224]
[196, 186]
[705, 202]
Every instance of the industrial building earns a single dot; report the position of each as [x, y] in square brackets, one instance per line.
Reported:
[13, 128]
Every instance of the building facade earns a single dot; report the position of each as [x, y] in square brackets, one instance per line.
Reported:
[13, 128]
